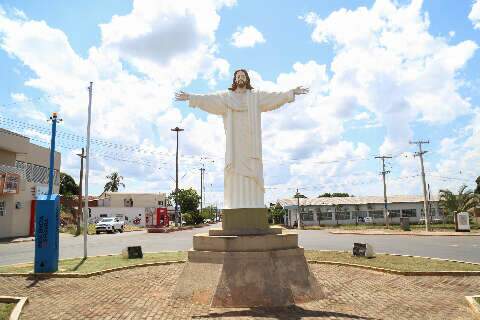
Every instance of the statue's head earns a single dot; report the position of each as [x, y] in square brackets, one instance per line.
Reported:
[241, 80]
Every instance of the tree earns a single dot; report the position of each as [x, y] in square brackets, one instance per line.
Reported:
[276, 213]
[114, 183]
[299, 196]
[334, 194]
[68, 186]
[463, 201]
[477, 189]
[188, 200]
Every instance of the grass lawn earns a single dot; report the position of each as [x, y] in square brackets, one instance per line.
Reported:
[391, 262]
[5, 310]
[93, 264]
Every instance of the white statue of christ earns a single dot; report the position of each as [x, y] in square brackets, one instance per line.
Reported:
[241, 107]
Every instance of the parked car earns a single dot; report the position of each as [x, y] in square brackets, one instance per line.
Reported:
[368, 219]
[110, 225]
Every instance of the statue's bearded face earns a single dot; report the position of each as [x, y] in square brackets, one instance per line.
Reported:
[241, 79]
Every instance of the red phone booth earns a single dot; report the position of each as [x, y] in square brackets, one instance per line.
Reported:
[158, 220]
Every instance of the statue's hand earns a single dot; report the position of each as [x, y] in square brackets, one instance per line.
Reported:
[301, 90]
[181, 96]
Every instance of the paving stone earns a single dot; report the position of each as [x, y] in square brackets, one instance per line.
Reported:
[144, 293]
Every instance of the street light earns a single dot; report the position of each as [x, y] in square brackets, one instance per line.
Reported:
[177, 130]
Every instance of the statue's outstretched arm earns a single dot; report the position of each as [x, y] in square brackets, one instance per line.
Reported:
[211, 103]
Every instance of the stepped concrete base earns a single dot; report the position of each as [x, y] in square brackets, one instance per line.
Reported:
[248, 279]
[246, 263]
[204, 242]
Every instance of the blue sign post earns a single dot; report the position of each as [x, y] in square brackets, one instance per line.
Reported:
[47, 219]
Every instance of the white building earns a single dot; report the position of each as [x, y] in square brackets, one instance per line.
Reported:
[128, 206]
[347, 210]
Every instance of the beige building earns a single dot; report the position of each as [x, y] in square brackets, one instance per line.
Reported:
[129, 199]
[24, 169]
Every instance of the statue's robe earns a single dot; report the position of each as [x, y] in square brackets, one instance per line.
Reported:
[244, 186]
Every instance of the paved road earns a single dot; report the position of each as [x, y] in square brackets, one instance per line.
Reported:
[460, 248]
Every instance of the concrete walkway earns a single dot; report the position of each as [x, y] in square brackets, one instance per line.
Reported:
[144, 293]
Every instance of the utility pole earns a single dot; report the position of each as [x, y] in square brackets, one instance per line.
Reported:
[177, 130]
[201, 189]
[420, 154]
[85, 211]
[384, 172]
[80, 191]
[299, 222]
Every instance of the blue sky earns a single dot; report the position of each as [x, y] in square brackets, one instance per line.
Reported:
[381, 73]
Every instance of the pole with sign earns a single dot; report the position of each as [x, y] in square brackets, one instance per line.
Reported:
[47, 218]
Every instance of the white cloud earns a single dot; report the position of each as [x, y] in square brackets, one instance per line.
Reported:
[133, 89]
[474, 15]
[247, 37]
[387, 62]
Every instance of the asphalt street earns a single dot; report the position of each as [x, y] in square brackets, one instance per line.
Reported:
[448, 247]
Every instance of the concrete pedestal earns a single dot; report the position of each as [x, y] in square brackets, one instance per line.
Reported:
[247, 264]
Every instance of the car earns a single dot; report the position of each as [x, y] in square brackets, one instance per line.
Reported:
[368, 219]
[110, 225]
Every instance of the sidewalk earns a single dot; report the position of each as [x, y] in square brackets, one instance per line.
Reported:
[405, 233]
[146, 293]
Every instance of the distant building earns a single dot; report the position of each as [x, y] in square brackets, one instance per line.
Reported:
[134, 208]
[347, 210]
[24, 170]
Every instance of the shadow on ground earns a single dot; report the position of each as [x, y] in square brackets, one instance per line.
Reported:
[287, 313]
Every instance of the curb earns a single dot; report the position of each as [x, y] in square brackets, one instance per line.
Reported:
[86, 275]
[19, 303]
[462, 234]
[474, 305]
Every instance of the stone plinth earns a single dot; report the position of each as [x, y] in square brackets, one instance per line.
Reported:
[246, 263]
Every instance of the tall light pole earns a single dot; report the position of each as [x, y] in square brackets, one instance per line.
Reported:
[299, 222]
[420, 154]
[177, 130]
[202, 170]
[87, 170]
[385, 210]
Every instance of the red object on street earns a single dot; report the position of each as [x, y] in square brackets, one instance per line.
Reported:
[157, 221]
[32, 219]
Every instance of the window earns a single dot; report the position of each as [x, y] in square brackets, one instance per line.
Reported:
[3, 210]
[394, 213]
[128, 202]
[307, 216]
[11, 183]
[343, 215]
[376, 214]
[325, 216]
[409, 213]
[160, 203]
[103, 215]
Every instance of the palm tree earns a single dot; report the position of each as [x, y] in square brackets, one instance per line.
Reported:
[462, 202]
[114, 183]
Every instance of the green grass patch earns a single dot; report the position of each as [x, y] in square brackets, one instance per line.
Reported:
[391, 262]
[92, 264]
[5, 310]
[399, 263]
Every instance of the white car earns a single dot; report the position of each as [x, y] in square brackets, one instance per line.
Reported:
[368, 219]
[110, 225]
